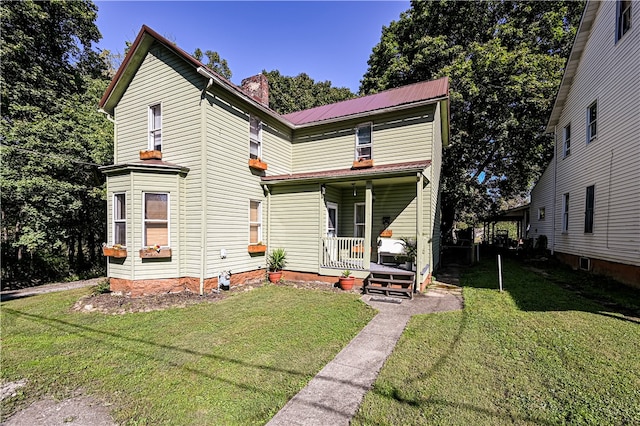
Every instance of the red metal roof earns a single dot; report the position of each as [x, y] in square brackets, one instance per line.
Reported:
[350, 173]
[412, 93]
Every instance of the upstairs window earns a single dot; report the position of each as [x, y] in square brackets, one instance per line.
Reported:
[363, 142]
[255, 138]
[156, 220]
[155, 127]
[255, 222]
[119, 219]
[565, 213]
[623, 18]
[567, 140]
[588, 209]
[541, 213]
[592, 121]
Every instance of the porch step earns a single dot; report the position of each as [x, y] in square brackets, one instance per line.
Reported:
[390, 282]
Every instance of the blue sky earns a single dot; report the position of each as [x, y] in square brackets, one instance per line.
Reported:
[327, 40]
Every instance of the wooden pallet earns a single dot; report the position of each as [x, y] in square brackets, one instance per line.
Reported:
[390, 282]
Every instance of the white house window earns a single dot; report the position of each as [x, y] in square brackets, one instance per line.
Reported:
[592, 119]
[358, 220]
[155, 127]
[255, 222]
[119, 219]
[255, 138]
[623, 15]
[363, 142]
[156, 219]
[588, 210]
[541, 213]
[332, 220]
[567, 140]
[565, 212]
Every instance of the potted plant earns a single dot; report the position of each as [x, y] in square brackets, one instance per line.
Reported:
[410, 251]
[276, 261]
[346, 280]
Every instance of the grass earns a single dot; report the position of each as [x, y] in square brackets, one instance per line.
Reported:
[237, 361]
[535, 354]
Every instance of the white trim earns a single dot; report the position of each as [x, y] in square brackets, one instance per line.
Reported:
[369, 145]
[591, 137]
[113, 218]
[333, 206]
[566, 202]
[258, 138]
[150, 126]
[144, 221]
[259, 222]
[566, 152]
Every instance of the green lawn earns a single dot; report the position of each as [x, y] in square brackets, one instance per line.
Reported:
[237, 361]
[534, 354]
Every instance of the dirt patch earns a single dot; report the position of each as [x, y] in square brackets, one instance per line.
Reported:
[111, 303]
[78, 411]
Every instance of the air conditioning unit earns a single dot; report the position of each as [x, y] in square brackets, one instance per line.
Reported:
[585, 263]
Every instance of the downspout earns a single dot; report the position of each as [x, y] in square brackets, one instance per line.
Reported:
[203, 188]
[553, 203]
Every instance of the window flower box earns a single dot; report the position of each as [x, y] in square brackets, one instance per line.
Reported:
[155, 253]
[386, 233]
[114, 251]
[256, 248]
[257, 164]
[151, 155]
[362, 164]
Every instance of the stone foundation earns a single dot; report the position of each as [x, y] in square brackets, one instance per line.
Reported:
[626, 274]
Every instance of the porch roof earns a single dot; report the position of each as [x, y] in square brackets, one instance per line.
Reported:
[385, 170]
[145, 165]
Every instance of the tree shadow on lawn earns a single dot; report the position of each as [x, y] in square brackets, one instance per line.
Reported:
[534, 292]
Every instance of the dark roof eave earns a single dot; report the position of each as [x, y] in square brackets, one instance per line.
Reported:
[162, 167]
[349, 174]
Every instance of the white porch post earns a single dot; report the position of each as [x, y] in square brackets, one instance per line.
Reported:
[368, 224]
[420, 248]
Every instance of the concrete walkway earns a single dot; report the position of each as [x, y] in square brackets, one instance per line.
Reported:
[333, 396]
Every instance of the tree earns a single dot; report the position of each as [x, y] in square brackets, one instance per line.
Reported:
[215, 63]
[289, 94]
[53, 140]
[505, 62]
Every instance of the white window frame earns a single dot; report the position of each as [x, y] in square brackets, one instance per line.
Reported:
[623, 16]
[592, 124]
[356, 224]
[145, 221]
[589, 212]
[541, 213]
[117, 220]
[255, 139]
[152, 130]
[565, 213]
[566, 138]
[369, 145]
[332, 206]
[258, 223]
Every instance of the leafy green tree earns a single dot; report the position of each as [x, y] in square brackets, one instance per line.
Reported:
[505, 62]
[215, 62]
[53, 140]
[289, 94]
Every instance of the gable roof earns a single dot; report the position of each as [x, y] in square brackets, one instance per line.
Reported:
[579, 43]
[410, 94]
[399, 98]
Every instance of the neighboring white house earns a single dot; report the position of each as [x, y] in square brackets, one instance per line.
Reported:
[587, 201]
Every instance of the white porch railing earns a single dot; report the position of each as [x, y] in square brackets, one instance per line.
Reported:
[343, 253]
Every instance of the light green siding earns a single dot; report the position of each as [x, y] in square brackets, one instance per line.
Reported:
[397, 138]
[295, 221]
[120, 184]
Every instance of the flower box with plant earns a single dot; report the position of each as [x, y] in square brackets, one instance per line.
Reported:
[346, 281]
[155, 252]
[362, 163]
[257, 163]
[257, 248]
[151, 155]
[116, 250]
[276, 260]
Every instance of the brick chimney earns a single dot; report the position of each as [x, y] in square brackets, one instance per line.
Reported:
[257, 87]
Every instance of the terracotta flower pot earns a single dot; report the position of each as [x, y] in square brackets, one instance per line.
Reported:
[274, 277]
[346, 283]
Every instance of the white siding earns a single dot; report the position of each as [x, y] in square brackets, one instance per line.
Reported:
[608, 73]
[542, 198]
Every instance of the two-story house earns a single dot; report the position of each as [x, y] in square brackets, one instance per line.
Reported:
[207, 180]
[587, 202]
